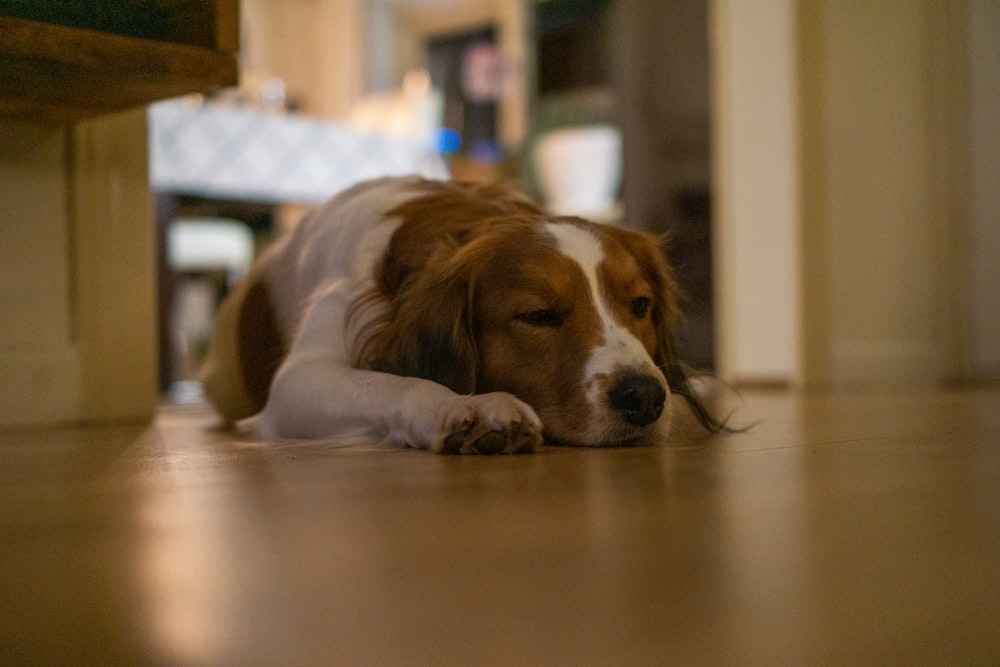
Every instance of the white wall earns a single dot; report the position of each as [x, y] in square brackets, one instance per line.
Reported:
[856, 180]
[873, 146]
[756, 185]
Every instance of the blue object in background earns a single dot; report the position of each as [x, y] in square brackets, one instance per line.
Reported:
[449, 140]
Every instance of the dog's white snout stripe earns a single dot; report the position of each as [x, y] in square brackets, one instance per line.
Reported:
[620, 349]
[621, 352]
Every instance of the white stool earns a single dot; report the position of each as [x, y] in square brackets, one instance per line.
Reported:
[198, 245]
[209, 244]
[579, 171]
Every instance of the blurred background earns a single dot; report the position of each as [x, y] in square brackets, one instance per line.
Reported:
[826, 171]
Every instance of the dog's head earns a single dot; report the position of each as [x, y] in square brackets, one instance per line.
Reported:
[576, 319]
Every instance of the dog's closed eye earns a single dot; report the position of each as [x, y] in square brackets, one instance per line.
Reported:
[543, 317]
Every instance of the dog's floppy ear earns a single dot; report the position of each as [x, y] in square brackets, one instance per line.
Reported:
[426, 331]
[665, 313]
[667, 319]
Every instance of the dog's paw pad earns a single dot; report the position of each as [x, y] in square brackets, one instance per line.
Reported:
[454, 442]
[491, 442]
[492, 424]
[482, 441]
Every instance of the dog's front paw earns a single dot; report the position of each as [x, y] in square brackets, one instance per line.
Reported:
[494, 423]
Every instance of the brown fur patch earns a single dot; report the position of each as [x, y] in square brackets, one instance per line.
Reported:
[542, 365]
[425, 279]
[435, 224]
[261, 344]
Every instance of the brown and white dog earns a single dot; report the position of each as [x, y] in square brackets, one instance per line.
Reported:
[458, 318]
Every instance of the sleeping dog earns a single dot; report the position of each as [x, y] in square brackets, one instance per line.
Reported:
[454, 317]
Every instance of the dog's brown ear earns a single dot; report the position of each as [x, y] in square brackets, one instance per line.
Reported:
[667, 318]
[665, 310]
[426, 331]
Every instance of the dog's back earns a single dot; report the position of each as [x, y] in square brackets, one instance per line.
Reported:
[256, 324]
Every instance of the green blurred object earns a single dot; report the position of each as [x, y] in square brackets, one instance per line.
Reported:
[120, 17]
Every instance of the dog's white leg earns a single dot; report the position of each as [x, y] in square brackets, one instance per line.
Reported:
[317, 393]
[325, 398]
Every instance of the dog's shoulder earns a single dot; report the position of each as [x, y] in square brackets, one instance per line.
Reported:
[345, 237]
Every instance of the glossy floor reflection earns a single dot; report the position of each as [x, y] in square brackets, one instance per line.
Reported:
[845, 529]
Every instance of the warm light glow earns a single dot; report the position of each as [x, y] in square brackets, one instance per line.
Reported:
[417, 82]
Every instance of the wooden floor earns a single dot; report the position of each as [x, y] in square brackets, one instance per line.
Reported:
[846, 529]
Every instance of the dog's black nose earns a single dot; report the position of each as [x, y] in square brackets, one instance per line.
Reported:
[639, 398]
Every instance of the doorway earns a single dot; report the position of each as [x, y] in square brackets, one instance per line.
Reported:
[660, 71]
